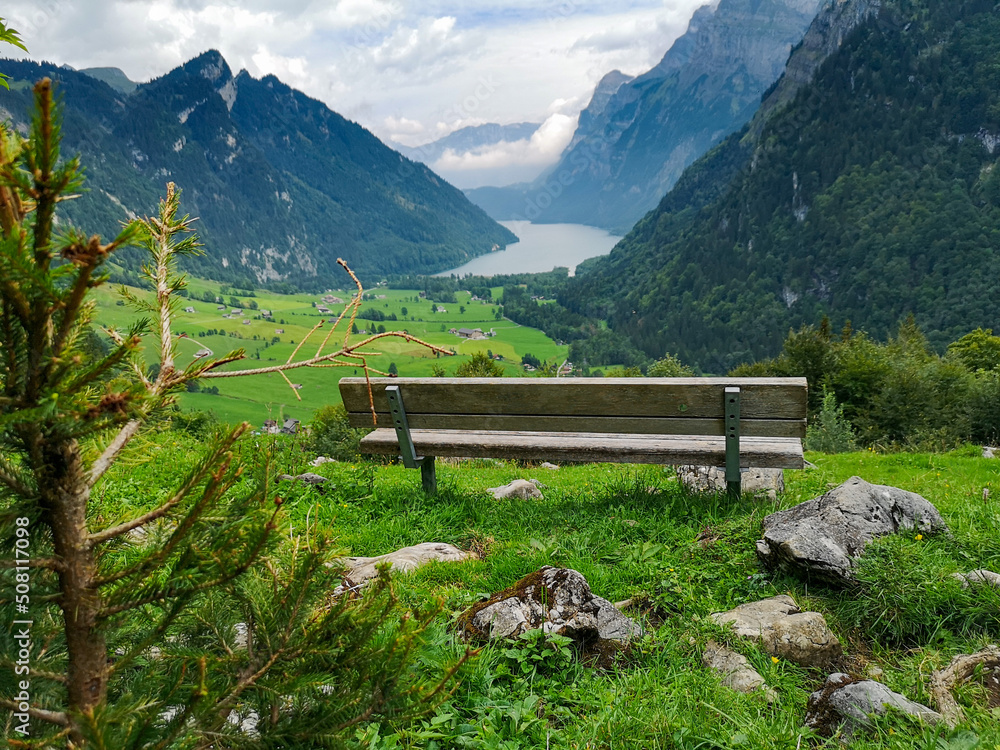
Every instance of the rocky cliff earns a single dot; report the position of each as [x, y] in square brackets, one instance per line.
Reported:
[708, 84]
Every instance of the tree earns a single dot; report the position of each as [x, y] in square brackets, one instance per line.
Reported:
[479, 366]
[669, 367]
[180, 570]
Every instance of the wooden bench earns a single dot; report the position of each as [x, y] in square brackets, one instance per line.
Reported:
[731, 422]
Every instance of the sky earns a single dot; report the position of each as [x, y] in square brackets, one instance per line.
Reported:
[410, 72]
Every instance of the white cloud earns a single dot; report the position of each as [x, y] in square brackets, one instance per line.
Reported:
[542, 149]
[402, 126]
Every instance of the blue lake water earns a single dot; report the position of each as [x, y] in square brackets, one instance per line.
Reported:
[542, 247]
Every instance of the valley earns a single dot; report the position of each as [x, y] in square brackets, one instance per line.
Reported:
[272, 340]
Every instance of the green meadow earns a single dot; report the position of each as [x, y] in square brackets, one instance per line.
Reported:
[635, 533]
[272, 341]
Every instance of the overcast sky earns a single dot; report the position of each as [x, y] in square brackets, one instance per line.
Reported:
[408, 71]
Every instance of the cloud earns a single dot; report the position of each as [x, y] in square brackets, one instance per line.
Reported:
[402, 126]
[542, 149]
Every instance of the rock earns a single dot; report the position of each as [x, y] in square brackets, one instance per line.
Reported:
[785, 631]
[978, 578]
[735, 670]
[320, 460]
[713, 479]
[547, 465]
[823, 537]
[846, 701]
[557, 600]
[309, 478]
[360, 570]
[519, 488]
[989, 451]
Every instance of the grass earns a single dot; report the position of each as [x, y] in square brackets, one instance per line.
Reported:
[632, 531]
[260, 398]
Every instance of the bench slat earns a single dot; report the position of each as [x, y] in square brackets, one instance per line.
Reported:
[679, 398]
[770, 453]
[785, 428]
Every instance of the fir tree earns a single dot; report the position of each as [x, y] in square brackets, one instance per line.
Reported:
[199, 620]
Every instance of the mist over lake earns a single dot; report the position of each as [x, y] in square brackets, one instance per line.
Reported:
[542, 247]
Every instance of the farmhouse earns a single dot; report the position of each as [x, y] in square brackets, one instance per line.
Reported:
[236, 311]
[246, 322]
[471, 333]
[265, 313]
[322, 309]
[189, 309]
[279, 330]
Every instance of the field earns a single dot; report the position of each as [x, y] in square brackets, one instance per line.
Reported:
[633, 532]
[272, 341]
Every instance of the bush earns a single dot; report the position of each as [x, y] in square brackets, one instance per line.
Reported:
[331, 434]
[832, 433]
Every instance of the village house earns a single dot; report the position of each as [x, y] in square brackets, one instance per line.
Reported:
[265, 313]
[236, 311]
[189, 309]
[246, 322]
[322, 309]
[279, 330]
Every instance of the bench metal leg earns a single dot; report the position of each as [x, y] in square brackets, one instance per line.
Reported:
[427, 476]
[407, 453]
[732, 406]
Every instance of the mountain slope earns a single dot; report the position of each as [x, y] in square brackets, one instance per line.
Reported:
[282, 185]
[631, 149]
[469, 139]
[873, 192]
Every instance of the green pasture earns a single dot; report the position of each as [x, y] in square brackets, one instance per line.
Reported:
[260, 397]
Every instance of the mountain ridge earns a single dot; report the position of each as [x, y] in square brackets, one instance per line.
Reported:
[282, 185]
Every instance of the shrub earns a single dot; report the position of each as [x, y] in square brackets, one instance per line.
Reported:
[831, 433]
[331, 434]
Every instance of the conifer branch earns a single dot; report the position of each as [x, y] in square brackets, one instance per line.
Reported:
[52, 717]
[183, 491]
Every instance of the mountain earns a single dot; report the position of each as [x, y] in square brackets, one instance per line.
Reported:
[282, 185]
[114, 77]
[469, 139]
[866, 189]
[637, 135]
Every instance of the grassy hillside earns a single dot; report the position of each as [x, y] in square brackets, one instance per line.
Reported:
[268, 396]
[633, 532]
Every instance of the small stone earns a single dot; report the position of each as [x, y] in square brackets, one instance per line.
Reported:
[977, 578]
[320, 460]
[735, 670]
[522, 489]
[549, 466]
[990, 451]
[770, 482]
[784, 631]
[360, 570]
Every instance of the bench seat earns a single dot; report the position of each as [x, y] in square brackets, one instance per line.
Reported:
[731, 422]
[769, 453]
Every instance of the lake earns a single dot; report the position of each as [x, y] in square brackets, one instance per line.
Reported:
[542, 247]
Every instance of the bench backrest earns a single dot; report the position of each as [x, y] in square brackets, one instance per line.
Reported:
[769, 407]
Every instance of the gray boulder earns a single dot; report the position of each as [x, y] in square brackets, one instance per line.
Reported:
[555, 600]
[783, 630]
[824, 536]
[847, 703]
